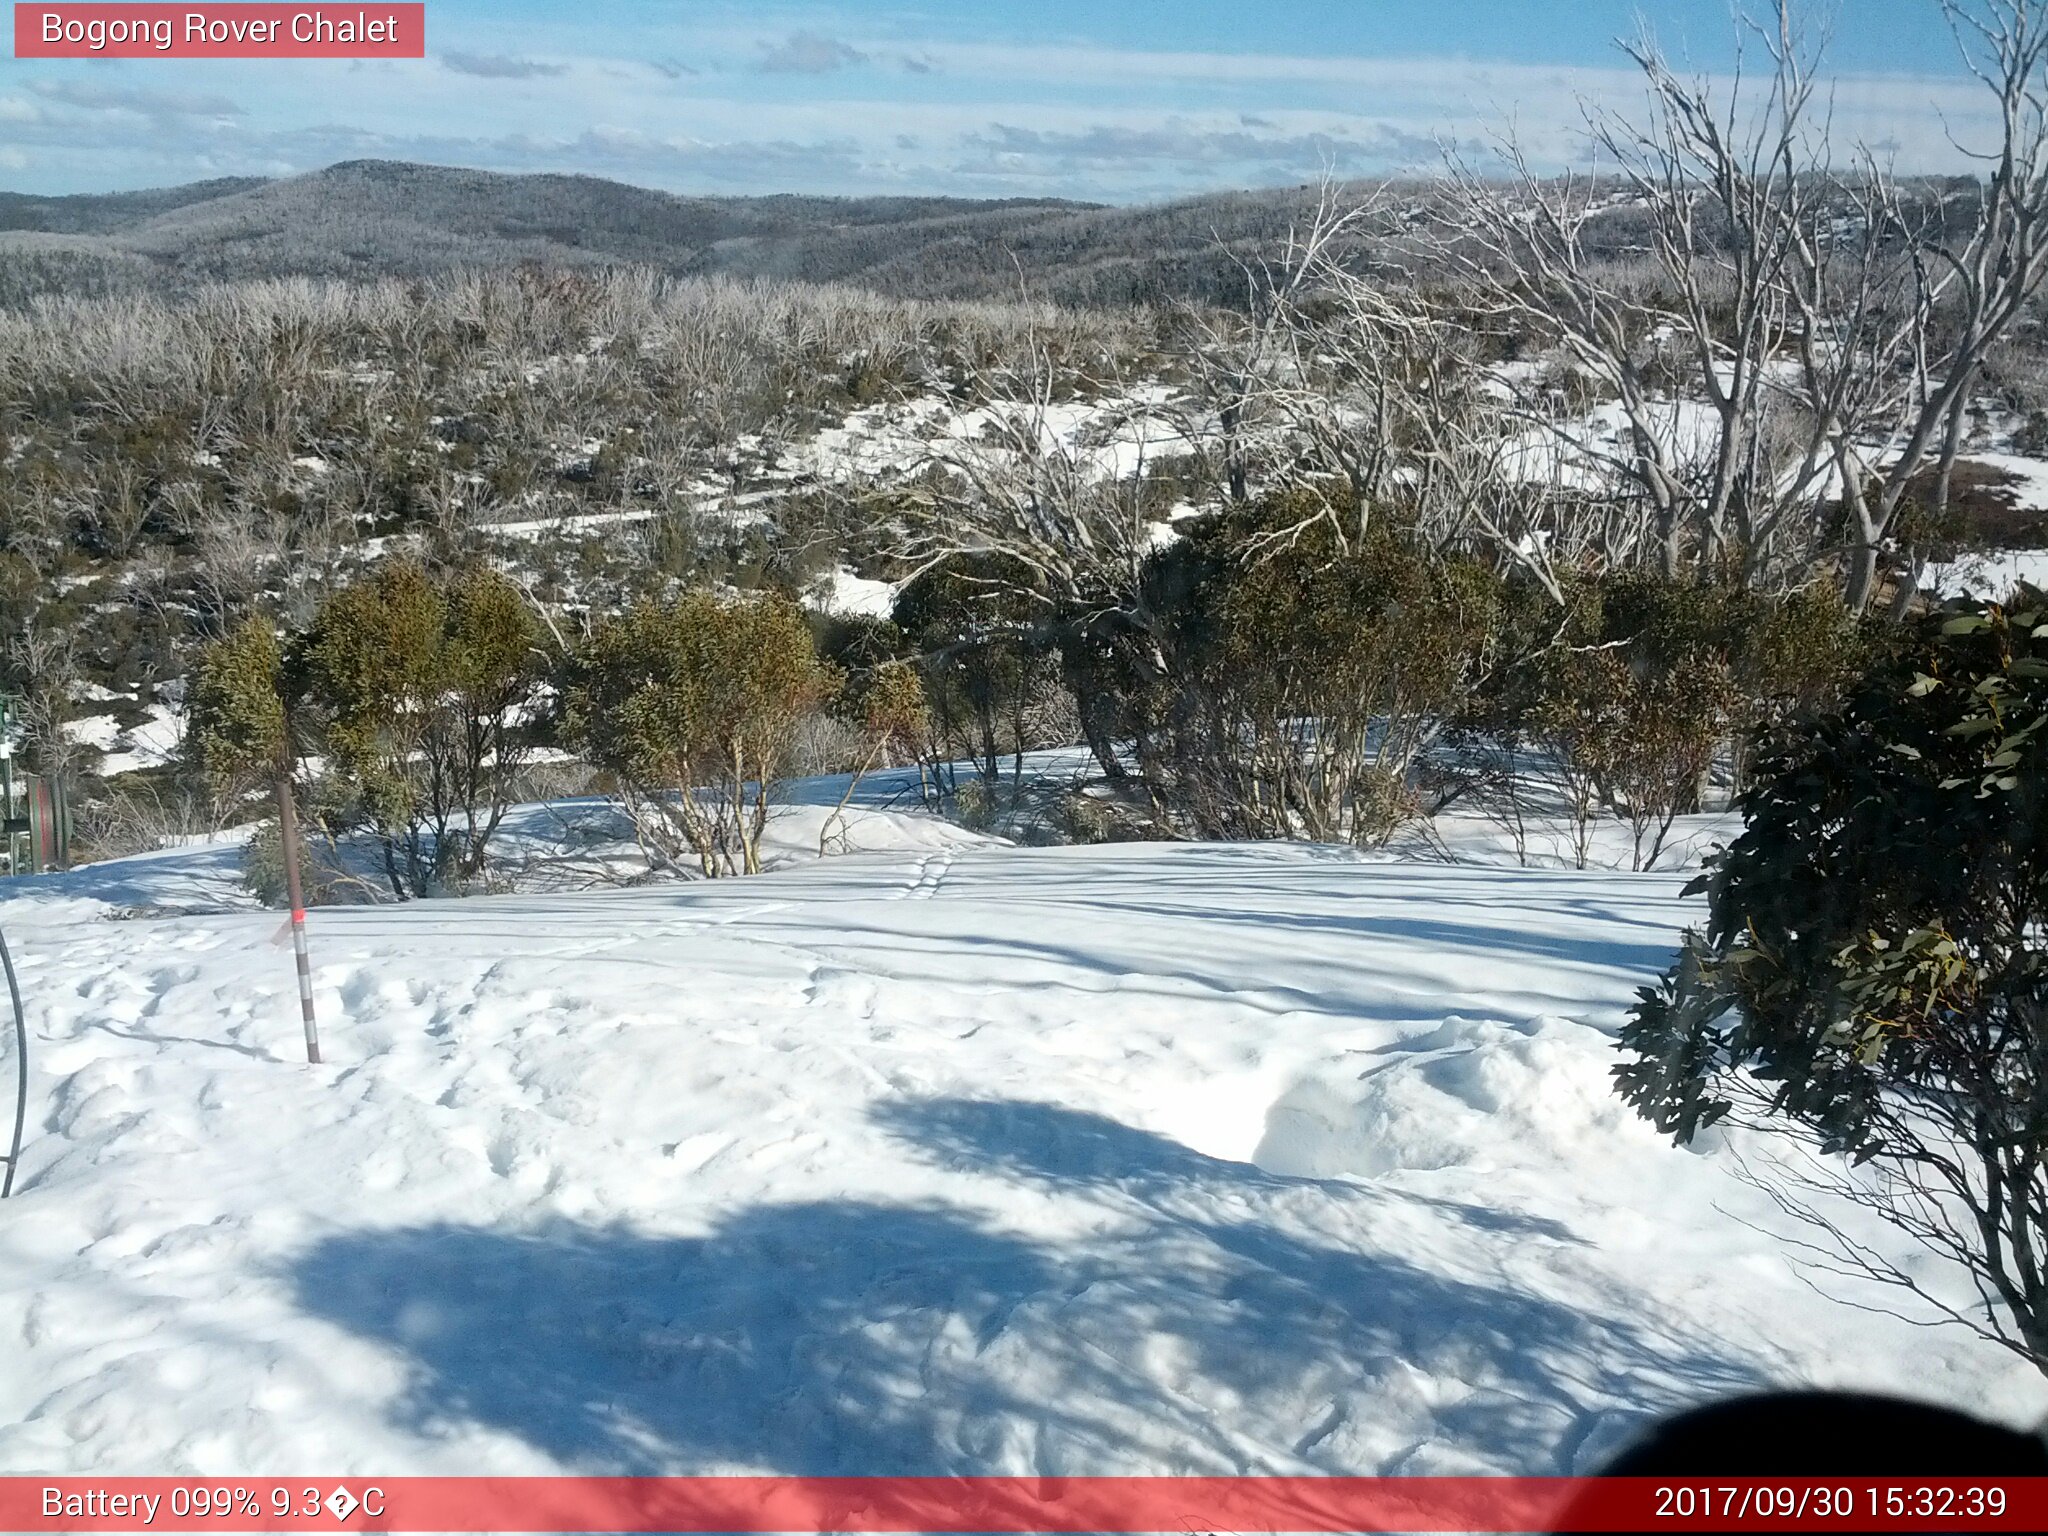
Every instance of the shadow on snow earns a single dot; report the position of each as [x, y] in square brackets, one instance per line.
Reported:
[1196, 1317]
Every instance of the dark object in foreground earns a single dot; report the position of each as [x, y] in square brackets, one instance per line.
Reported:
[1820, 1434]
[1825, 1434]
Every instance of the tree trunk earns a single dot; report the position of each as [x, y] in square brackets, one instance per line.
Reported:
[1861, 583]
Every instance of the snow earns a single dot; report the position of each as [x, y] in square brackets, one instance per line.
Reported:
[582, 522]
[100, 731]
[2029, 485]
[852, 595]
[576, 843]
[932, 1159]
[150, 743]
[1992, 574]
[1583, 453]
[1115, 436]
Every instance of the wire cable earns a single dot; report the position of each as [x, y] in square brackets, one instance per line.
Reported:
[21, 1071]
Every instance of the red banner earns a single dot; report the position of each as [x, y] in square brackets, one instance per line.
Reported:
[1022, 1504]
[102, 31]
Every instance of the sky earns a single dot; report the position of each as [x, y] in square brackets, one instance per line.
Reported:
[1104, 100]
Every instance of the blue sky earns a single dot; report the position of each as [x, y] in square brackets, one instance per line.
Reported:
[1109, 100]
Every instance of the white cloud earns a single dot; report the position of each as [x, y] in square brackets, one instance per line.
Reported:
[1102, 124]
[808, 53]
[498, 66]
[98, 96]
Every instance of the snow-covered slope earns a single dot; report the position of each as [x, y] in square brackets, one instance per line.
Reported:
[1142, 1158]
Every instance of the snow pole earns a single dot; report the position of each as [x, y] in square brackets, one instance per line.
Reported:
[20, 1070]
[288, 837]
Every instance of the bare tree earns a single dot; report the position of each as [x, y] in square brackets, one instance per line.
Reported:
[43, 659]
[1976, 278]
[1811, 335]
[1071, 536]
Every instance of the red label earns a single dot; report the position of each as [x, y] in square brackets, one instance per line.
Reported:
[360, 31]
[1174, 1505]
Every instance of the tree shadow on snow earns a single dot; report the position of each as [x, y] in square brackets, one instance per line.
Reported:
[1071, 1148]
[1170, 1312]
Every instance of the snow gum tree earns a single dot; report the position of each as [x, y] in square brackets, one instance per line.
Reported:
[414, 688]
[981, 650]
[423, 685]
[1305, 679]
[694, 706]
[237, 713]
[1792, 359]
[1872, 983]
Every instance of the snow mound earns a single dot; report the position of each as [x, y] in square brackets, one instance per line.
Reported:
[1470, 1094]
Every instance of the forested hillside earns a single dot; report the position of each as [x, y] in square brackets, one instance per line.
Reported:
[377, 218]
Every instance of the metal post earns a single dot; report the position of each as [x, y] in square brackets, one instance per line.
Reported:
[288, 836]
[20, 1071]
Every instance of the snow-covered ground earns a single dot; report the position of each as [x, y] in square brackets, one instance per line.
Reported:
[1115, 435]
[1989, 574]
[150, 743]
[845, 592]
[961, 1158]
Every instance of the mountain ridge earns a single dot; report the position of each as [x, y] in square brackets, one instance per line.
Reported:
[368, 218]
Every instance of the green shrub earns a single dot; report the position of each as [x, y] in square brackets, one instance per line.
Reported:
[1304, 678]
[421, 687]
[236, 715]
[1872, 975]
[694, 704]
[262, 866]
[415, 689]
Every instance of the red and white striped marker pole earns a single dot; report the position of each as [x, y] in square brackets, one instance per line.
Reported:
[288, 836]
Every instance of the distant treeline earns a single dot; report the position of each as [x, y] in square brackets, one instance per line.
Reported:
[383, 219]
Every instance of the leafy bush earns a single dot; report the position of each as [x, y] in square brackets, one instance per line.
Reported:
[414, 688]
[422, 687]
[694, 704]
[1634, 737]
[1305, 679]
[262, 865]
[236, 714]
[1637, 686]
[888, 700]
[1872, 975]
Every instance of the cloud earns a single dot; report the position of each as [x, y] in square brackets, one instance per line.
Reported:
[1179, 144]
[91, 96]
[1111, 124]
[808, 53]
[498, 66]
